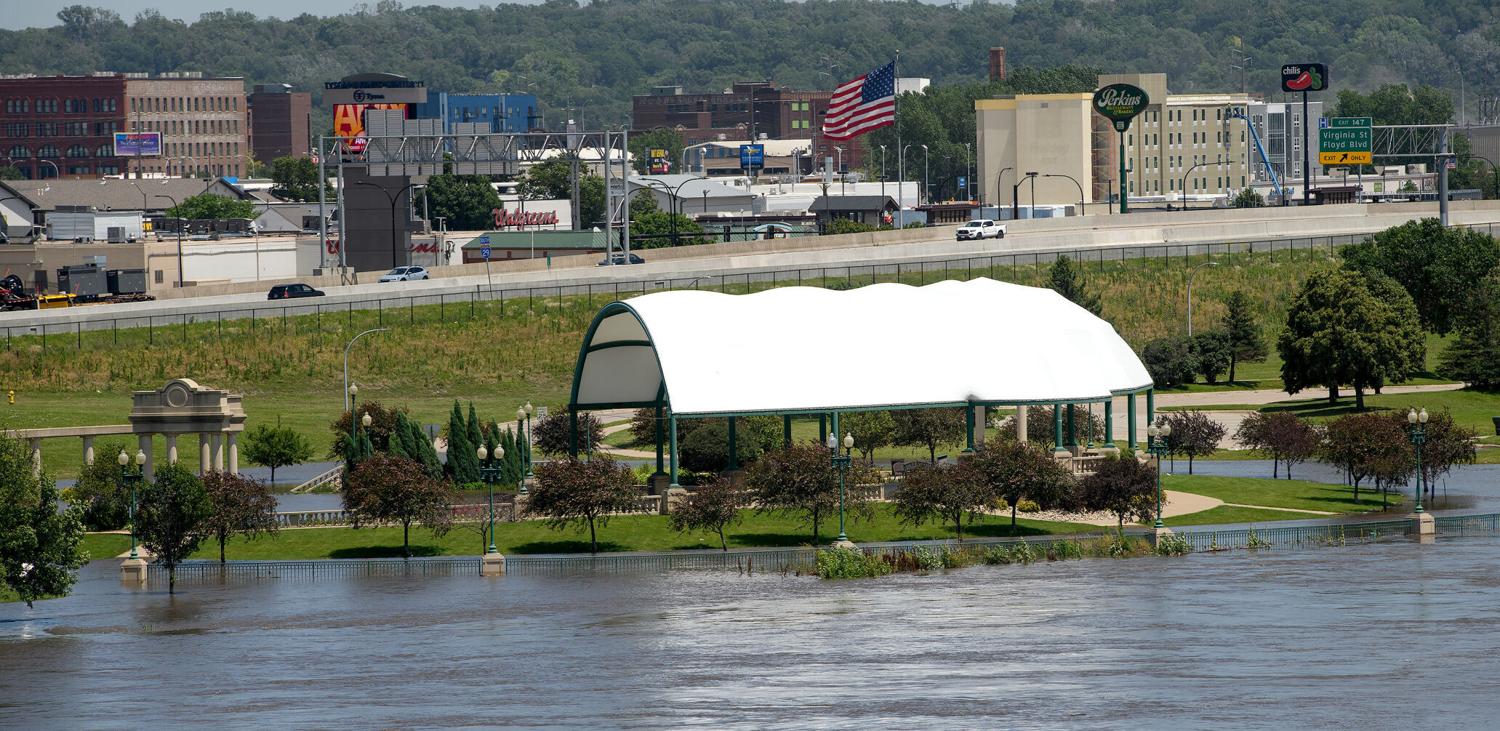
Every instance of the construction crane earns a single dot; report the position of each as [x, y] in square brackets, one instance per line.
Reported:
[1236, 113]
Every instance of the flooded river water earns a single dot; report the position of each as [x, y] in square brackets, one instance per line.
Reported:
[1387, 635]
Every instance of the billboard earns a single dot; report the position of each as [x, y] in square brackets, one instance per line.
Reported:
[349, 122]
[137, 144]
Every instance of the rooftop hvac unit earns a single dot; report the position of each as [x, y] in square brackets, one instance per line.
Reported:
[116, 234]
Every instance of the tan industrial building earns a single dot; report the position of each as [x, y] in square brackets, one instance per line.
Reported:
[1181, 144]
[202, 122]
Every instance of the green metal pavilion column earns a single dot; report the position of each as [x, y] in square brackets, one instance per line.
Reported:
[969, 428]
[660, 439]
[1072, 429]
[734, 451]
[1130, 421]
[672, 436]
[823, 428]
[786, 431]
[1057, 434]
[835, 431]
[1109, 422]
[1150, 406]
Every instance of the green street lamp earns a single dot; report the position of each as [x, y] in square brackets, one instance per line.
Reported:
[842, 463]
[1418, 423]
[132, 478]
[529, 409]
[490, 475]
[1156, 444]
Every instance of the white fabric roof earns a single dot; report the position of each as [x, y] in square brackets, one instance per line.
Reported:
[806, 349]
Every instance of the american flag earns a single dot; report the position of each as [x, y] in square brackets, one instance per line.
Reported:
[862, 105]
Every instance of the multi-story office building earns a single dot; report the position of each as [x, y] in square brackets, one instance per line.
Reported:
[202, 122]
[499, 112]
[64, 125]
[1180, 145]
[748, 110]
[279, 119]
[1281, 131]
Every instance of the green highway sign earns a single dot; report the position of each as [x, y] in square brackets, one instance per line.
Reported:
[1346, 141]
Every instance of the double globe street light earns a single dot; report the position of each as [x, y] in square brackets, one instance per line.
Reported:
[842, 463]
[1156, 444]
[1417, 421]
[489, 472]
[132, 478]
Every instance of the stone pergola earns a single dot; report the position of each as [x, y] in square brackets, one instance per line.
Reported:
[180, 407]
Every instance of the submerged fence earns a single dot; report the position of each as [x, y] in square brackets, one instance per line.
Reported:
[804, 559]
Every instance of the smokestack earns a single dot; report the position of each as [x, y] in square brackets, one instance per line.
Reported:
[997, 63]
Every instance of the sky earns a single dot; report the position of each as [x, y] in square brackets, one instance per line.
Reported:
[43, 13]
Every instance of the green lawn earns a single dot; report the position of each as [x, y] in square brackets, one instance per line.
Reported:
[1267, 374]
[1230, 514]
[1297, 494]
[623, 533]
[105, 545]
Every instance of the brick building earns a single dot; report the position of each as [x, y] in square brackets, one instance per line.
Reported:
[279, 120]
[748, 110]
[54, 126]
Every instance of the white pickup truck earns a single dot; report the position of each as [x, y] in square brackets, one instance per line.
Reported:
[980, 228]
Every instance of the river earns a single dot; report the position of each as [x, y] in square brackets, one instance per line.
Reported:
[1389, 635]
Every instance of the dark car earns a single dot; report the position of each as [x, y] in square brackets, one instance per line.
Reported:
[289, 291]
[621, 260]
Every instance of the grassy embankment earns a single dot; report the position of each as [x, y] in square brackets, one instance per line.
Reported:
[291, 369]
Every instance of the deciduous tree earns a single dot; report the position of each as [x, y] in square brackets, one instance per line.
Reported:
[466, 201]
[942, 494]
[1438, 266]
[39, 544]
[572, 492]
[1123, 486]
[238, 506]
[802, 482]
[1212, 353]
[1350, 327]
[1170, 361]
[295, 179]
[1286, 438]
[388, 489]
[171, 517]
[929, 428]
[712, 507]
[211, 207]
[1474, 356]
[872, 430]
[551, 435]
[1365, 446]
[100, 492]
[1014, 472]
[276, 446]
[1193, 435]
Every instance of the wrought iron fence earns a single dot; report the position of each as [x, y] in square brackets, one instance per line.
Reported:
[1294, 536]
[319, 569]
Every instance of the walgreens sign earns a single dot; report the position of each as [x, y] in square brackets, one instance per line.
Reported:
[522, 219]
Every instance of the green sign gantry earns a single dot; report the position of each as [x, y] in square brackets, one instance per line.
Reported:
[1346, 141]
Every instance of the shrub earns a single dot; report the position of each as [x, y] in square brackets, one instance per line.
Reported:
[1172, 544]
[1212, 354]
[1064, 550]
[850, 563]
[927, 559]
[1028, 506]
[1170, 361]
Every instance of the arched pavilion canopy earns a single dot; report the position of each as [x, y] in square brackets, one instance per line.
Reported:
[810, 350]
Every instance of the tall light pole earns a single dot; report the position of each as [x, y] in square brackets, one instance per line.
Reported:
[133, 478]
[180, 222]
[1190, 274]
[926, 187]
[968, 170]
[349, 390]
[998, 177]
[1156, 444]
[1032, 177]
[1418, 423]
[490, 475]
[841, 461]
[528, 410]
[525, 447]
[840, 170]
[901, 177]
[882, 171]
[1082, 204]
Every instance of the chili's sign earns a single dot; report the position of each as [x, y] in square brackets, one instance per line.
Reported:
[1120, 103]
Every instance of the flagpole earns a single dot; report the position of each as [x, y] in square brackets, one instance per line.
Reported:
[900, 155]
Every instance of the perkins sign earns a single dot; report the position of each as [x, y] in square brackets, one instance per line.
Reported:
[1120, 103]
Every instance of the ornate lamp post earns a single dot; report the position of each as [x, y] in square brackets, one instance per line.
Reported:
[529, 409]
[489, 472]
[1418, 423]
[1156, 444]
[842, 463]
[133, 478]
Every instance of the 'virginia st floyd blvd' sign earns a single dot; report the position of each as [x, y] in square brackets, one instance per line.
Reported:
[1346, 141]
[1120, 103]
[1304, 77]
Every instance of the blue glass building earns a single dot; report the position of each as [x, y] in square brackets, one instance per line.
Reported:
[502, 112]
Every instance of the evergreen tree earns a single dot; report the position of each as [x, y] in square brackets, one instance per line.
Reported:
[1474, 357]
[462, 465]
[1246, 345]
[1066, 278]
[423, 452]
[476, 430]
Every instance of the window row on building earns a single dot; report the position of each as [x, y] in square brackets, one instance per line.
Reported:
[149, 104]
[189, 126]
[23, 152]
[23, 130]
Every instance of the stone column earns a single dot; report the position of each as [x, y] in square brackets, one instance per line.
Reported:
[149, 470]
[204, 456]
[1022, 413]
[171, 448]
[36, 457]
[88, 450]
[979, 432]
[216, 452]
[234, 453]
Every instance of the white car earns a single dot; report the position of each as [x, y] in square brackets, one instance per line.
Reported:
[980, 228]
[404, 274]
